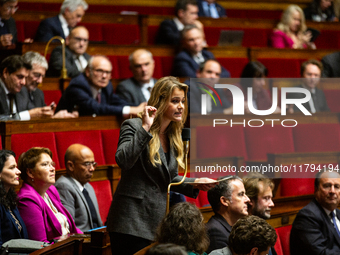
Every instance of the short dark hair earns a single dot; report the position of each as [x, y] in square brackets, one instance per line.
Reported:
[186, 29]
[318, 177]
[254, 69]
[224, 189]
[184, 225]
[166, 249]
[250, 232]
[202, 65]
[14, 63]
[2, 2]
[312, 62]
[183, 5]
[8, 199]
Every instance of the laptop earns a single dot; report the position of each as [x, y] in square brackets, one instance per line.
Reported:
[231, 38]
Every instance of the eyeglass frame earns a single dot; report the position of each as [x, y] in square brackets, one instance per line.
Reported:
[88, 164]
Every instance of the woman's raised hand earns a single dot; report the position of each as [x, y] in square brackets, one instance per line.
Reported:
[148, 117]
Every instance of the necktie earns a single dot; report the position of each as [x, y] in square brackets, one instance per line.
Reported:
[209, 11]
[80, 65]
[334, 222]
[92, 209]
[99, 98]
[11, 102]
[315, 102]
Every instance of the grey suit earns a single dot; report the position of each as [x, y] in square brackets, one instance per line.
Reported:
[131, 91]
[331, 65]
[139, 202]
[74, 201]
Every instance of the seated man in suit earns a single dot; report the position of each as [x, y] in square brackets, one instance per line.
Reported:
[13, 73]
[137, 89]
[228, 200]
[210, 72]
[8, 30]
[311, 72]
[209, 8]
[316, 227]
[76, 193]
[169, 32]
[259, 189]
[92, 92]
[187, 62]
[76, 57]
[250, 235]
[34, 78]
[331, 66]
[71, 13]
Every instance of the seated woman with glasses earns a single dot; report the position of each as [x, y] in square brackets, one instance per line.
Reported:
[39, 202]
[11, 224]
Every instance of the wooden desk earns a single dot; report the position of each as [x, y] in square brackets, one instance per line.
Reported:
[70, 246]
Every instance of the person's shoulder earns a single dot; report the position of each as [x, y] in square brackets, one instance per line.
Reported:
[133, 122]
[182, 54]
[50, 20]
[79, 80]
[126, 82]
[168, 22]
[62, 180]
[332, 56]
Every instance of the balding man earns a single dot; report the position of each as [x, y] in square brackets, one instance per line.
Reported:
[76, 58]
[76, 193]
[137, 89]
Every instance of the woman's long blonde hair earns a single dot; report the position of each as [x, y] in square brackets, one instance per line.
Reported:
[160, 98]
[286, 19]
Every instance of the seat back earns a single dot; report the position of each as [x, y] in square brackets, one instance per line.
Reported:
[103, 192]
[110, 142]
[284, 234]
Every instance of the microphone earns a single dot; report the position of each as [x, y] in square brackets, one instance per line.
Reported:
[186, 134]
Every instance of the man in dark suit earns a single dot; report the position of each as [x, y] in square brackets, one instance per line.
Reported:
[8, 30]
[259, 189]
[76, 193]
[228, 200]
[311, 72]
[331, 66]
[92, 92]
[187, 62]
[137, 89]
[76, 57]
[316, 227]
[14, 71]
[169, 32]
[71, 13]
[209, 8]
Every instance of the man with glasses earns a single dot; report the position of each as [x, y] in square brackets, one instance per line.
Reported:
[71, 13]
[76, 57]
[91, 93]
[8, 30]
[76, 193]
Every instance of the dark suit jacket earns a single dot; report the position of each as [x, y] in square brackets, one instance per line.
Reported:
[320, 104]
[218, 230]
[48, 28]
[194, 98]
[168, 33]
[331, 67]
[139, 203]
[313, 232]
[11, 28]
[37, 99]
[56, 62]
[75, 203]
[220, 10]
[8, 228]
[79, 94]
[185, 66]
[131, 91]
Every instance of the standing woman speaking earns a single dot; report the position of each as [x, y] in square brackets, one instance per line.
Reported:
[150, 149]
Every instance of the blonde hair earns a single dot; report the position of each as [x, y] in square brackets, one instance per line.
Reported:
[286, 19]
[160, 99]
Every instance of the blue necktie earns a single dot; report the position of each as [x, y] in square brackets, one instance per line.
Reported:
[92, 208]
[334, 222]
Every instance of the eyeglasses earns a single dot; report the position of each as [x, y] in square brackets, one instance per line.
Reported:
[47, 164]
[88, 164]
[38, 75]
[101, 72]
[12, 8]
[80, 39]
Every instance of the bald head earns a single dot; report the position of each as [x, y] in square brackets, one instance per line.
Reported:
[78, 40]
[142, 65]
[79, 162]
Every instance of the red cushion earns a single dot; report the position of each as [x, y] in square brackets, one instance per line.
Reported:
[110, 141]
[284, 233]
[52, 96]
[20, 30]
[328, 39]
[194, 201]
[297, 186]
[332, 97]
[278, 246]
[115, 69]
[123, 66]
[95, 31]
[22, 142]
[117, 34]
[30, 28]
[152, 33]
[268, 139]
[158, 71]
[281, 67]
[90, 138]
[233, 65]
[316, 137]
[167, 63]
[104, 197]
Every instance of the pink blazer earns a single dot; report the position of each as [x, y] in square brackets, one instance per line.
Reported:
[279, 39]
[40, 221]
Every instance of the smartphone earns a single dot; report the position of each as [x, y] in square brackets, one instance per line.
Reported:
[53, 106]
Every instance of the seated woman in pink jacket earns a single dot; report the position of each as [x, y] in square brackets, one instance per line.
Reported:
[291, 31]
[39, 202]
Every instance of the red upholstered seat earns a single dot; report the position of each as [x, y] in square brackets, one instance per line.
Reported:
[316, 137]
[52, 96]
[103, 192]
[233, 65]
[110, 141]
[221, 141]
[203, 198]
[278, 246]
[254, 14]
[95, 31]
[158, 72]
[297, 186]
[123, 67]
[167, 63]
[332, 97]
[194, 201]
[121, 34]
[23, 142]
[115, 70]
[284, 234]
[91, 138]
[20, 30]
[152, 33]
[328, 39]
[30, 28]
[268, 139]
[281, 67]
